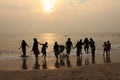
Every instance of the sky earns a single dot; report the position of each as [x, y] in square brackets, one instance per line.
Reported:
[59, 16]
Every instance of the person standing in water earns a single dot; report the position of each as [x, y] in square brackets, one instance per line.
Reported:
[56, 50]
[35, 48]
[79, 48]
[23, 46]
[68, 47]
[43, 50]
[86, 45]
[105, 50]
[108, 47]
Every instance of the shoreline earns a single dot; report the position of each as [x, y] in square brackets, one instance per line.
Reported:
[51, 63]
[31, 69]
[90, 72]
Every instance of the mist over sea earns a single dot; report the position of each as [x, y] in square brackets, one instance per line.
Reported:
[9, 43]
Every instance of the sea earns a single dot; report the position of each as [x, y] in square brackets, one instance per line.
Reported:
[10, 43]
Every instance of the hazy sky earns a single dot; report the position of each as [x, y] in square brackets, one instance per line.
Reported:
[63, 16]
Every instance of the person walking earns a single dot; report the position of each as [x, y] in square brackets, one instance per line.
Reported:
[23, 46]
[69, 45]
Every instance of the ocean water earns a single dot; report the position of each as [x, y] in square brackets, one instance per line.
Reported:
[9, 43]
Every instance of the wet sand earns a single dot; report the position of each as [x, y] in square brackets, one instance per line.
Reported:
[84, 68]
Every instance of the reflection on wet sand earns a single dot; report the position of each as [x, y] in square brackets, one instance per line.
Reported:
[44, 64]
[107, 58]
[62, 62]
[86, 60]
[57, 64]
[24, 64]
[79, 61]
[36, 65]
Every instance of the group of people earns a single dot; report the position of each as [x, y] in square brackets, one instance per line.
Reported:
[58, 49]
[107, 48]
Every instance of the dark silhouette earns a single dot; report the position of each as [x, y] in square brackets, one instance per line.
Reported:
[105, 50]
[36, 65]
[86, 45]
[44, 64]
[108, 47]
[23, 46]
[43, 50]
[68, 46]
[35, 48]
[79, 48]
[92, 45]
[57, 64]
[79, 61]
[24, 64]
[56, 50]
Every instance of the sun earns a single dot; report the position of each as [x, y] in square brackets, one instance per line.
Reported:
[48, 5]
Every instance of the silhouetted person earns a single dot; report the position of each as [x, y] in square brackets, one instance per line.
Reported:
[57, 64]
[36, 65]
[44, 65]
[35, 48]
[68, 47]
[79, 61]
[92, 45]
[79, 48]
[56, 50]
[24, 64]
[108, 47]
[86, 45]
[43, 50]
[105, 50]
[23, 46]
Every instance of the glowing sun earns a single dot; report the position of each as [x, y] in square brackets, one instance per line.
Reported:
[48, 5]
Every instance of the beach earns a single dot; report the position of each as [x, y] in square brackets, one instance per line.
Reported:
[72, 69]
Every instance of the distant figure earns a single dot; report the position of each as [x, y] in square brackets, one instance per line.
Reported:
[79, 48]
[23, 46]
[92, 45]
[105, 50]
[35, 48]
[56, 50]
[108, 47]
[68, 47]
[43, 50]
[86, 45]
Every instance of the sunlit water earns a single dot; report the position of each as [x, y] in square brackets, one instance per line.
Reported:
[9, 43]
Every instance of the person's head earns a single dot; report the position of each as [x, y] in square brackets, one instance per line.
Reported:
[69, 39]
[23, 41]
[80, 40]
[55, 43]
[35, 39]
[108, 41]
[46, 43]
[91, 39]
